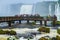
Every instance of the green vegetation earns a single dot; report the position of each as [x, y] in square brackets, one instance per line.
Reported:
[57, 23]
[57, 37]
[11, 38]
[53, 38]
[11, 32]
[7, 32]
[44, 29]
[58, 31]
[33, 23]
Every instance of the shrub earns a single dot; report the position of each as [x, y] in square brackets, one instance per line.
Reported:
[44, 29]
[41, 29]
[57, 22]
[11, 38]
[58, 31]
[53, 38]
[47, 30]
[58, 37]
[8, 32]
[12, 32]
[33, 23]
[2, 32]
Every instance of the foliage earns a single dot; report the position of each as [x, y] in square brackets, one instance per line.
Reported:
[33, 23]
[58, 31]
[58, 37]
[11, 38]
[7, 32]
[44, 29]
[53, 38]
[57, 22]
[11, 32]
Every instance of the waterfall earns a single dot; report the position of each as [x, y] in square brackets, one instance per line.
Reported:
[57, 11]
[26, 9]
[50, 10]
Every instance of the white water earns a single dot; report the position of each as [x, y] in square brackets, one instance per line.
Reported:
[53, 33]
[57, 11]
[3, 24]
[26, 9]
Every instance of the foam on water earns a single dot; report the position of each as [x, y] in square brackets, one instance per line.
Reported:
[3, 24]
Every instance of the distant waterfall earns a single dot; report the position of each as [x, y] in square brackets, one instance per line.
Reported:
[26, 9]
[57, 13]
[49, 10]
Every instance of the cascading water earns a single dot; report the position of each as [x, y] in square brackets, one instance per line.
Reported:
[26, 9]
[50, 9]
[57, 11]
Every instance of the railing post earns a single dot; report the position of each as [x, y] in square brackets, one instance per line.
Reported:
[54, 20]
[54, 23]
[9, 23]
[35, 21]
[27, 21]
[45, 23]
[19, 21]
[41, 22]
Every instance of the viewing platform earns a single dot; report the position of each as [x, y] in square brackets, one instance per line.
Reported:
[35, 18]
